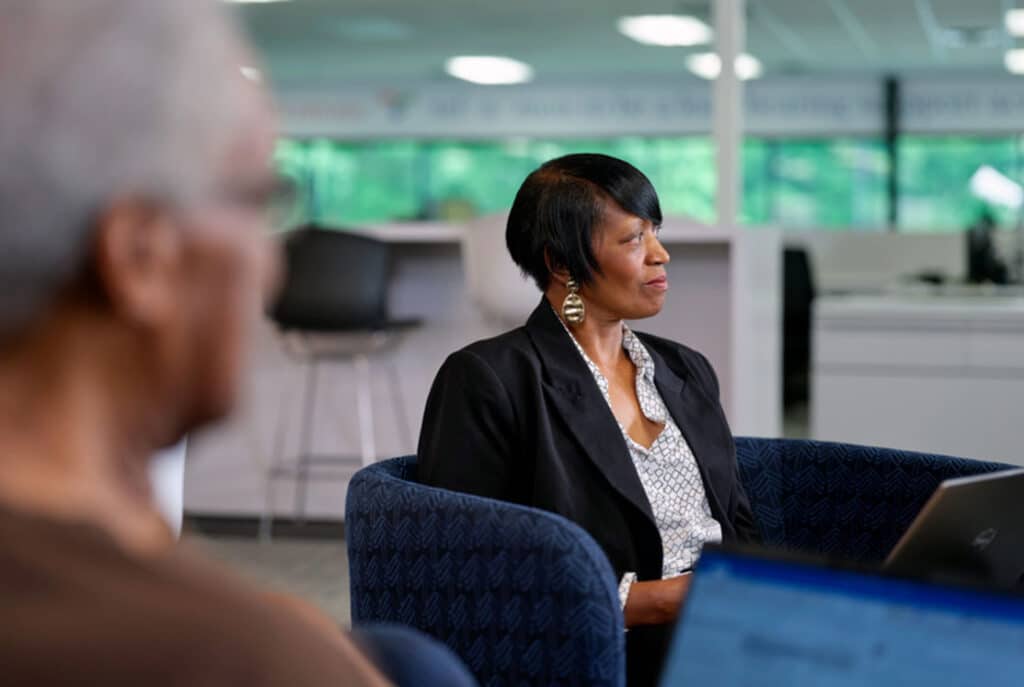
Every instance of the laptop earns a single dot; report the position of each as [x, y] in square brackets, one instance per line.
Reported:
[754, 619]
[971, 526]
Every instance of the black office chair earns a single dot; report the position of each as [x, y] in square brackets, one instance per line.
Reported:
[797, 300]
[333, 308]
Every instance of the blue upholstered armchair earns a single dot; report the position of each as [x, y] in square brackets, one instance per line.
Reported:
[527, 598]
[842, 500]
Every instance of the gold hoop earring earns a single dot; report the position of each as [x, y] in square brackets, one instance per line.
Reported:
[573, 310]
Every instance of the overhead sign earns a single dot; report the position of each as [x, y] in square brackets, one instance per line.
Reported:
[974, 106]
[789, 107]
[773, 107]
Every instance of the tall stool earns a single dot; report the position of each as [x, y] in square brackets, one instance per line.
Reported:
[333, 309]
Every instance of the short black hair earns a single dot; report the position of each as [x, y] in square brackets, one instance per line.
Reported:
[559, 204]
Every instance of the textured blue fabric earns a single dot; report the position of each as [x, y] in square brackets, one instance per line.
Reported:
[523, 596]
[410, 659]
[839, 499]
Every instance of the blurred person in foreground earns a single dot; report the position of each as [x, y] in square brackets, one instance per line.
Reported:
[134, 185]
[620, 432]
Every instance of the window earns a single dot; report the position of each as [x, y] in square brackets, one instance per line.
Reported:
[934, 174]
[820, 183]
[814, 183]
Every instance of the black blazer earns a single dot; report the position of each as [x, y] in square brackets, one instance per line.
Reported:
[519, 418]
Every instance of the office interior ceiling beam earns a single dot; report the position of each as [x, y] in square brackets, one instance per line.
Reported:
[854, 28]
[786, 36]
[932, 28]
[1006, 6]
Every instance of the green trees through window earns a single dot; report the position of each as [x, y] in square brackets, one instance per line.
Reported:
[828, 184]
[934, 177]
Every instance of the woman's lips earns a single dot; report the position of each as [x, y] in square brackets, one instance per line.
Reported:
[660, 283]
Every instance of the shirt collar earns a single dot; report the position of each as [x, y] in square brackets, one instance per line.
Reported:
[638, 353]
[595, 371]
[631, 343]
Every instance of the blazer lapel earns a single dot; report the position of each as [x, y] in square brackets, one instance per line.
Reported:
[577, 398]
[687, 407]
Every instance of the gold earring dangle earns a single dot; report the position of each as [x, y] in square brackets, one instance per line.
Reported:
[573, 310]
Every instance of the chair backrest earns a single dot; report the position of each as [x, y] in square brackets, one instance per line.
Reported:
[797, 300]
[798, 280]
[841, 499]
[336, 280]
[523, 596]
[495, 283]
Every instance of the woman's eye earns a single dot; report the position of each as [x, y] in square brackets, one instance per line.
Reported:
[639, 237]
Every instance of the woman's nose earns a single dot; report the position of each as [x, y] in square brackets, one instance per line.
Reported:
[656, 253]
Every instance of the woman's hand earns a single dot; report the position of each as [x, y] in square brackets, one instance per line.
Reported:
[656, 602]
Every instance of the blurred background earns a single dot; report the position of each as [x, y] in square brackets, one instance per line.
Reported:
[843, 211]
[375, 130]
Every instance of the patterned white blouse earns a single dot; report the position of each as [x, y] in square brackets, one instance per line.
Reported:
[667, 470]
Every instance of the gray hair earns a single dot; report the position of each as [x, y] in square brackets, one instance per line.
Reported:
[102, 99]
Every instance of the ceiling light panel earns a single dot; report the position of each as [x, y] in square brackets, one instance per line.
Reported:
[489, 70]
[666, 30]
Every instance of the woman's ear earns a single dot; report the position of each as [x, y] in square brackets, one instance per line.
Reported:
[558, 274]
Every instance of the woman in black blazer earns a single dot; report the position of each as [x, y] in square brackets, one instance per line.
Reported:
[621, 433]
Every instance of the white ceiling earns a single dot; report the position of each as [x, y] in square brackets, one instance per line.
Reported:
[381, 41]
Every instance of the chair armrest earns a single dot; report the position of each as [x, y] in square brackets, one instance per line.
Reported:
[521, 595]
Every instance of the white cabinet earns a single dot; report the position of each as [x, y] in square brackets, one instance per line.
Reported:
[928, 373]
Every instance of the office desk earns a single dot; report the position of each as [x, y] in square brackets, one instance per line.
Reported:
[938, 372]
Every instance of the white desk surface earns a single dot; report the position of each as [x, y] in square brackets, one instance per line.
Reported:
[414, 232]
[981, 303]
